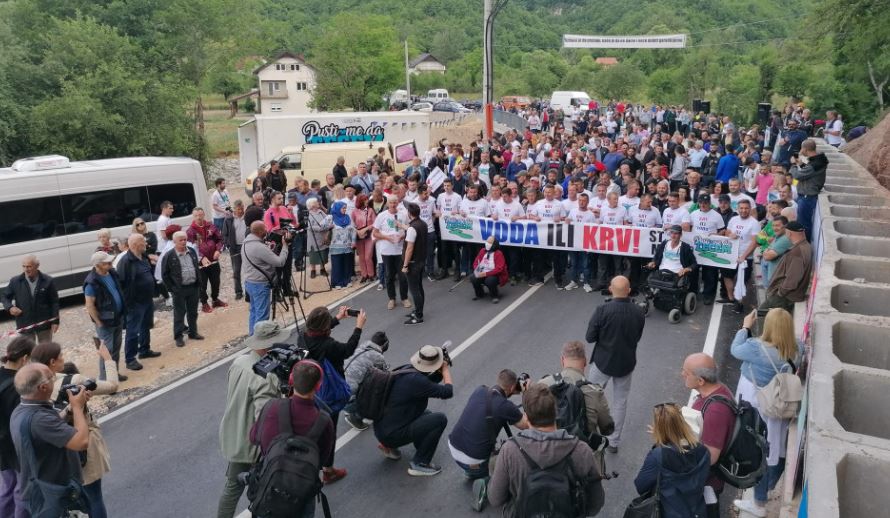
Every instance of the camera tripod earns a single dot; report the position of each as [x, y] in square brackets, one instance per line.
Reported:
[304, 285]
[284, 295]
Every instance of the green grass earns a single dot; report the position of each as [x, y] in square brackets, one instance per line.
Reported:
[221, 132]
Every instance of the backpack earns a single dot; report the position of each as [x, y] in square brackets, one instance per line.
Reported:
[571, 409]
[286, 478]
[334, 390]
[780, 398]
[743, 461]
[373, 392]
[551, 491]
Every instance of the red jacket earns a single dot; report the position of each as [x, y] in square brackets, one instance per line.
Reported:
[500, 266]
[206, 238]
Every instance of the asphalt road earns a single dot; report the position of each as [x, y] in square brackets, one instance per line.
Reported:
[165, 453]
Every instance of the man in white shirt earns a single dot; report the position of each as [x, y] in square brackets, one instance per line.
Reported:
[389, 238]
[609, 265]
[674, 214]
[427, 214]
[162, 224]
[644, 216]
[632, 198]
[219, 203]
[508, 209]
[581, 261]
[411, 195]
[736, 195]
[472, 206]
[448, 204]
[834, 127]
[548, 210]
[745, 228]
[706, 222]
[571, 200]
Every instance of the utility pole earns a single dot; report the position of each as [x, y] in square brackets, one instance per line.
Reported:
[407, 75]
[487, 67]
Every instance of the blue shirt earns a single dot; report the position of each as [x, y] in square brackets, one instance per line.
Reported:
[475, 434]
[111, 287]
[756, 366]
[727, 168]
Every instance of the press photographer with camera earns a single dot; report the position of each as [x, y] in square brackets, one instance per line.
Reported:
[95, 461]
[246, 394]
[258, 270]
[406, 419]
[282, 226]
[331, 355]
[473, 439]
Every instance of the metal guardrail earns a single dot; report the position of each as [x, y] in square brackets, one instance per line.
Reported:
[510, 120]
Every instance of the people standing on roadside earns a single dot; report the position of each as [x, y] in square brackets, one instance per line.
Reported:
[390, 236]
[318, 239]
[246, 395]
[153, 254]
[138, 283]
[18, 353]
[834, 128]
[615, 329]
[209, 241]
[745, 228]
[258, 271]
[219, 202]
[104, 301]
[776, 248]
[809, 171]
[234, 230]
[414, 260]
[276, 178]
[706, 222]
[162, 223]
[255, 211]
[106, 244]
[791, 278]
[33, 300]
[363, 219]
[180, 271]
[342, 247]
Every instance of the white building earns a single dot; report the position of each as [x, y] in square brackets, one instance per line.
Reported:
[285, 85]
[426, 63]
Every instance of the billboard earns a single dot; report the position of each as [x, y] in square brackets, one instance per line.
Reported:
[653, 41]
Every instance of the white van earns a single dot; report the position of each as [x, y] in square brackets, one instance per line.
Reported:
[52, 208]
[564, 99]
[438, 94]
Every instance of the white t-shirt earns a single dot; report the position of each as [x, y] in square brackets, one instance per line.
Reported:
[386, 224]
[598, 203]
[161, 225]
[670, 259]
[677, 216]
[448, 204]
[412, 196]
[350, 204]
[706, 223]
[610, 216]
[734, 200]
[547, 210]
[834, 140]
[221, 199]
[568, 205]
[427, 208]
[647, 218]
[627, 202]
[474, 208]
[506, 211]
[577, 215]
[746, 229]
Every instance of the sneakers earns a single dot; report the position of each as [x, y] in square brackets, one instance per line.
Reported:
[331, 475]
[535, 282]
[379, 287]
[413, 320]
[750, 507]
[738, 308]
[588, 288]
[356, 422]
[205, 307]
[480, 494]
[495, 300]
[406, 304]
[168, 302]
[431, 278]
[570, 286]
[149, 354]
[417, 469]
[134, 365]
[391, 304]
[219, 304]
[559, 285]
[724, 300]
[390, 453]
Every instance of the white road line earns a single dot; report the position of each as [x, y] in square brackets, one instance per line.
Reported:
[200, 372]
[710, 339]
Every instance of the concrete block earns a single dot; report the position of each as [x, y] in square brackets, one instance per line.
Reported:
[864, 247]
[862, 486]
[861, 300]
[868, 271]
[862, 228]
[860, 403]
[860, 344]
[858, 201]
[848, 189]
[843, 211]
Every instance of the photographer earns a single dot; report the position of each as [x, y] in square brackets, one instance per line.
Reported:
[368, 355]
[322, 347]
[258, 271]
[406, 419]
[277, 219]
[97, 456]
[47, 446]
[246, 394]
[472, 441]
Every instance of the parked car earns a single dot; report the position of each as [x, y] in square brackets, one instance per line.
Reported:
[422, 106]
[450, 106]
[472, 105]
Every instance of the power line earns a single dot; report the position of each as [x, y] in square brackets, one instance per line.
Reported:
[744, 24]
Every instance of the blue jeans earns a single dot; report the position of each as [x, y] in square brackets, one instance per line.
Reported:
[260, 302]
[475, 471]
[11, 504]
[140, 317]
[218, 223]
[806, 208]
[580, 264]
[381, 273]
[95, 501]
[768, 481]
[111, 337]
[340, 269]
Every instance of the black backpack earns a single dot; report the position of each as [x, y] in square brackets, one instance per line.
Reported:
[286, 478]
[571, 409]
[551, 491]
[373, 392]
[743, 461]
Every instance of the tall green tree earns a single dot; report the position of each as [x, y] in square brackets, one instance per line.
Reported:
[619, 81]
[357, 60]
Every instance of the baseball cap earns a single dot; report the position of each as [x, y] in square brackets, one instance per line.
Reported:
[101, 257]
[676, 228]
[704, 198]
[724, 198]
[794, 226]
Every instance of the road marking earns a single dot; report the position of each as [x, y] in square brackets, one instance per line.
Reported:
[204, 370]
[710, 340]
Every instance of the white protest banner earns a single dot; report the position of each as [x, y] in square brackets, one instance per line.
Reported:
[435, 179]
[652, 41]
[602, 239]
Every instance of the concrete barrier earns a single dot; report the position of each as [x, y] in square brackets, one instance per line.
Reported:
[847, 435]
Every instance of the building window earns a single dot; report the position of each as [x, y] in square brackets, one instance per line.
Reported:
[280, 66]
[302, 87]
[274, 87]
[294, 67]
[274, 107]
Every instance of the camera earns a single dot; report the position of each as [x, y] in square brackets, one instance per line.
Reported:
[279, 360]
[522, 382]
[353, 312]
[75, 388]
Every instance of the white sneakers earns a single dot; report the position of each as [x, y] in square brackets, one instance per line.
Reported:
[570, 286]
[748, 506]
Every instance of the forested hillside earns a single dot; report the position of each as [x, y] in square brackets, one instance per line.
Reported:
[95, 78]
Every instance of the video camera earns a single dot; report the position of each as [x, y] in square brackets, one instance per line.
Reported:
[279, 360]
[522, 382]
[75, 388]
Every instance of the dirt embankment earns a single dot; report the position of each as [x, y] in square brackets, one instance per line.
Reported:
[872, 151]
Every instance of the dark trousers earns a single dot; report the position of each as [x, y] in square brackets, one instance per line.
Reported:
[95, 501]
[210, 274]
[111, 336]
[298, 251]
[185, 305]
[424, 432]
[431, 253]
[540, 263]
[414, 278]
[235, 255]
[709, 276]
[140, 317]
[468, 254]
[491, 282]
[512, 257]
[558, 260]
[636, 271]
[609, 266]
[392, 266]
[806, 207]
[774, 300]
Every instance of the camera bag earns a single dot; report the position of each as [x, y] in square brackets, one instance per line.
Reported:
[743, 461]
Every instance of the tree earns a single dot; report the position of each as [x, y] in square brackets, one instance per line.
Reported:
[619, 81]
[357, 59]
[739, 93]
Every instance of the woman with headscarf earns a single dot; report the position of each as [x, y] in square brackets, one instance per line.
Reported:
[318, 238]
[363, 218]
[343, 239]
[489, 270]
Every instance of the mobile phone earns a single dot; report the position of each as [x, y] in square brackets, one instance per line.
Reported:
[353, 312]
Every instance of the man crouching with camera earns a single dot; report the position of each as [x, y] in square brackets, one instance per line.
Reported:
[246, 394]
[258, 266]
